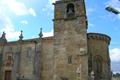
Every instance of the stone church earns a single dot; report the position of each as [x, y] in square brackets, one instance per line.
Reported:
[71, 54]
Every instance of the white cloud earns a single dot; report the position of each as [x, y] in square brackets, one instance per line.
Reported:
[91, 25]
[24, 22]
[45, 34]
[48, 8]
[115, 4]
[32, 12]
[5, 21]
[119, 16]
[18, 8]
[48, 34]
[11, 34]
[8, 27]
[52, 1]
[90, 10]
[115, 54]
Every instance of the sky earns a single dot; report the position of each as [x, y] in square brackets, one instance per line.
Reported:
[31, 15]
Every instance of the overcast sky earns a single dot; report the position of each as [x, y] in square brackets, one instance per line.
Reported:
[31, 15]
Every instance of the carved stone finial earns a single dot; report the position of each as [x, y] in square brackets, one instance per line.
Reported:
[3, 37]
[40, 34]
[21, 36]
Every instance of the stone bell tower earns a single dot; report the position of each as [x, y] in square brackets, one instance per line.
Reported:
[70, 40]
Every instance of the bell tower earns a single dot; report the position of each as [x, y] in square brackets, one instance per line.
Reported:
[70, 40]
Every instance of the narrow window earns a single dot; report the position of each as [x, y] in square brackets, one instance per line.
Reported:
[9, 61]
[29, 52]
[69, 59]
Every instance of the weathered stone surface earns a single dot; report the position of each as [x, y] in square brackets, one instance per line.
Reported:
[70, 39]
[71, 54]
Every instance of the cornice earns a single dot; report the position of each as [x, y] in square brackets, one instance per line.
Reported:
[99, 36]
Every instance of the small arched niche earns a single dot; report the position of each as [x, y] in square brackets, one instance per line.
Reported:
[70, 10]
